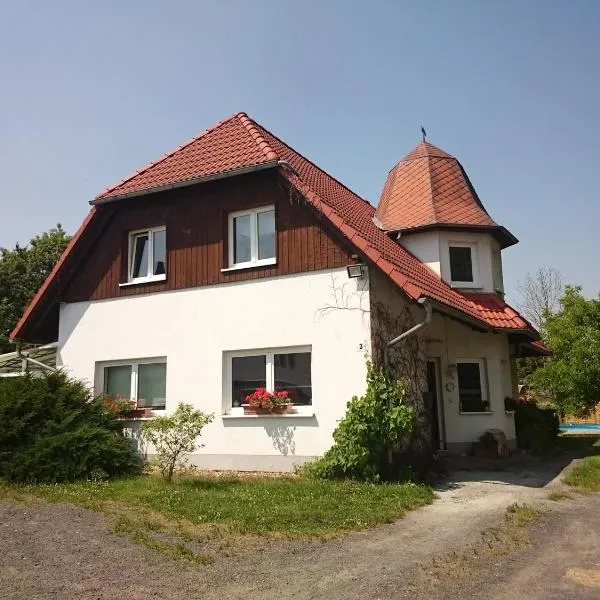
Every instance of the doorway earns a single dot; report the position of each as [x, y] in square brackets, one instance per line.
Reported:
[435, 404]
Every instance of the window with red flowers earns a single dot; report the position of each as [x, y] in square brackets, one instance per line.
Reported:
[285, 369]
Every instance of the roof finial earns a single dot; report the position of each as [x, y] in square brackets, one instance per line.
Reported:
[423, 132]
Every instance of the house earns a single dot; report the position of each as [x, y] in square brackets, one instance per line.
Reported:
[234, 262]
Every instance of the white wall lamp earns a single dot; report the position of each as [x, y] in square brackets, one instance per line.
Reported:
[356, 271]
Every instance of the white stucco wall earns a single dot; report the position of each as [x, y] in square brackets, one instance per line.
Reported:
[193, 329]
[447, 340]
[431, 247]
[425, 246]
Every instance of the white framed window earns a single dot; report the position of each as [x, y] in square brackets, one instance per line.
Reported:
[473, 390]
[463, 264]
[147, 255]
[273, 369]
[252, 238]
[144, 381]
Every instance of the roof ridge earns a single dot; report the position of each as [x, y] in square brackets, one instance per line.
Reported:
[251, 127]
[309, 161]
[165, 156]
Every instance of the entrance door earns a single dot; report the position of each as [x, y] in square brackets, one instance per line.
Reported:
[435, 404]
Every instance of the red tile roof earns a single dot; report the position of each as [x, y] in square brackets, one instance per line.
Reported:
[429, 188]
[229, 145]
[238, 143]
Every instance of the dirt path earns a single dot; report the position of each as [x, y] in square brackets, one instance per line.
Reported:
[561, 563]
[60, 551]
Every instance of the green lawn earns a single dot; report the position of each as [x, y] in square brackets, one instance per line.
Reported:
[586, 475]
[288, 506]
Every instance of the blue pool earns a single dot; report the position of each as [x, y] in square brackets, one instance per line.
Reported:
[568, 426]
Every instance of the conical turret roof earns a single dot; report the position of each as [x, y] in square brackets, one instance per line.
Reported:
[429, 189]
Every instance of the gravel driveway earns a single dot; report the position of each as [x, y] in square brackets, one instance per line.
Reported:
[61, 551]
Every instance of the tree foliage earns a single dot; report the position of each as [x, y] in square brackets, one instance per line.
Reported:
[175, 435]
[22, 271]
[373, 425]
[53, 430]
[570, 377]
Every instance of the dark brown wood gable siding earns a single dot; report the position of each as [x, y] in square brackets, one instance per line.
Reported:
[196, 221]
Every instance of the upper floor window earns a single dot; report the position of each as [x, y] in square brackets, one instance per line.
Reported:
[463, 264]
[148, 255]
[252, 237]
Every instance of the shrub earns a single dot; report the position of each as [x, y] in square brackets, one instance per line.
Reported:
[373, 425]
[53, 430]
[175, 435]
[537, 428]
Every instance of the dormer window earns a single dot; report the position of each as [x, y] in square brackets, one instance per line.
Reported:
[148, 255]
[463, 264]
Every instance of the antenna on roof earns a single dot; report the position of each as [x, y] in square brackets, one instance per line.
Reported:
[423, 132]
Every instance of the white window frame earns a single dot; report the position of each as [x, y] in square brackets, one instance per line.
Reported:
[474, 264]
[134, 364]
[254, 260]
[302, 409]
[149, 274]
[483, 382]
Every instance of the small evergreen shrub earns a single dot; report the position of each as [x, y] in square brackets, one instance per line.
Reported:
[537, 428]
[373, 425]
[174, 436]
[53, 430]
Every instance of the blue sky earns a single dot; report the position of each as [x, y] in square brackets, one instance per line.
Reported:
[92, 91]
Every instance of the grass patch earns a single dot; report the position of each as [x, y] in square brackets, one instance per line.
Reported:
[284, 506]
[558, 496]
[586, 475]
[522, 514]
[144, 533]
[504, 539]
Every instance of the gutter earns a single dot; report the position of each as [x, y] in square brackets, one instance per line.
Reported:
[37, 363]
[427, 305]
[188, 182]
[476, 324]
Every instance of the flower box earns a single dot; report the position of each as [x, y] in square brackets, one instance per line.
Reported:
[263, 402]
[282, 409]
[136, 413]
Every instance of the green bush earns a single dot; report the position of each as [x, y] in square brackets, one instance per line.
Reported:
[174, 436]
[53, 430]
[373, 425]
[537, 428]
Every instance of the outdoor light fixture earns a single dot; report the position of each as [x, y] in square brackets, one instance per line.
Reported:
[355, 271]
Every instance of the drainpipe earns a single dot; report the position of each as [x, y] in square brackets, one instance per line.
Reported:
[28, 359]
[426, 304]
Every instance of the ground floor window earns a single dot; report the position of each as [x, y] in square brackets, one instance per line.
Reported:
[142, 381]
[472, 385]
[275, 370]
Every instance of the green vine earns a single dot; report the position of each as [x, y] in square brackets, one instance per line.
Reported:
[365, 438]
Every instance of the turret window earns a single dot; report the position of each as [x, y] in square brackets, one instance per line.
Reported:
[463, 262]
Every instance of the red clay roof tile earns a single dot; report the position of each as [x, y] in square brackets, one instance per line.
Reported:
[240, 142]
[230, 144]
[429, 188]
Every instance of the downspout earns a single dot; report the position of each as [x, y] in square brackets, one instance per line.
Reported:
[426, 304]
[37, 363]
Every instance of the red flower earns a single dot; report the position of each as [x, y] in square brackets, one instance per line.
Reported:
[261, 398]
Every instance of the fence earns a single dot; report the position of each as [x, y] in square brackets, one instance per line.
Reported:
[593, 419]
